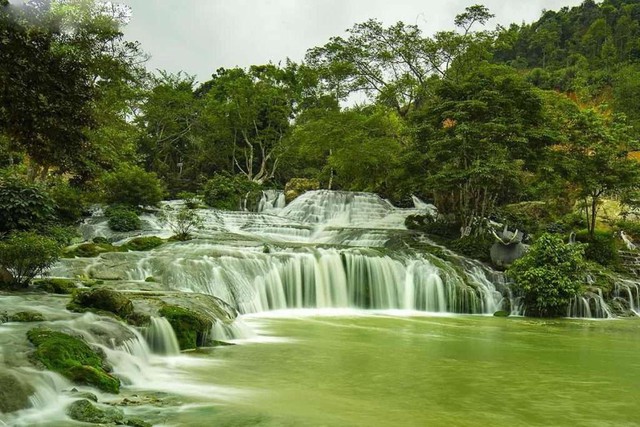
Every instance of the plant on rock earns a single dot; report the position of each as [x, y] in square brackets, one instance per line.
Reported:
[122, 218]
[548, 276]
[182, 221]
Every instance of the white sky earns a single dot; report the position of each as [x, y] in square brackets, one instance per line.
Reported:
[199, 36]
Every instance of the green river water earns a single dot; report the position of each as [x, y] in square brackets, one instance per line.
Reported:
[424, 371]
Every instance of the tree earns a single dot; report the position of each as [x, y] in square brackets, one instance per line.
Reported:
[182, 220]
[251, 110]
[475, 135]
[548, 276]
[132, 186]
[26, 255]
[596, 159]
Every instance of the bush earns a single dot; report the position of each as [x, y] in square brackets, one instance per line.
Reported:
[122, 218]
[548, 276]
[190, 199]
[26, 255]
[436, 227]
[23, 206]
[230, 192]
[182, 221]
[601, 248]
[632, 228]
[70, 204]
[63, 235]
[528, 217]
[132, 186]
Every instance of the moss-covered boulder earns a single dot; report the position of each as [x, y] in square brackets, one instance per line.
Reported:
[102, 300]
[501, 313]
[14, 394]
[298, 186]
[26, 316]
[73, 358]
[142, 244]
[85, 411]
[56, 286]
[88, 250]
[191, 328]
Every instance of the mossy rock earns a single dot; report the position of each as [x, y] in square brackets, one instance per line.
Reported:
[73, 358]
[137, 422]
[101, 299]
[85, 411]
[101, 240]
[89, 250]
[14, 394]
[26, 316]
[150, 279]
[142, 244]
[501, 313]
[191, 328]
[56, 286]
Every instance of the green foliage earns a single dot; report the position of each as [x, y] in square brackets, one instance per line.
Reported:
[602, 247]
[548, 276]
[26, 255]
[528, 217]
[476, 247]
[64, 235]
[632, 228]
[26, 317]
[23, 205]
[132, 186]
[435, 226]
[122, 218]
[70, 203]
[191, 328]
[230, 192]
[72, 358]
[182, 220]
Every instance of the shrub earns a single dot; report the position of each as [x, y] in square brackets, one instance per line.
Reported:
[632, 228]
[182, 220]
[122, 218]
[63, 235]
[132, 186]
[190, 199]
[23, 206]
[601, 248]
[548, 276]
[70, 204]
[26, 255]
[229, 192]
[435, 226]
[528, 217]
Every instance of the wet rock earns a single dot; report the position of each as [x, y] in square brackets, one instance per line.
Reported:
[501, 313]
[504, 255]
[85, 411]
[102, 299]
[56, 286]
[73, 358]
[26, 316]
[14, 394]
[83, 394]
[137, 422]
[191, 327]
[142, 244]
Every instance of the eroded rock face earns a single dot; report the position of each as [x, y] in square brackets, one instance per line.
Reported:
[14, 393]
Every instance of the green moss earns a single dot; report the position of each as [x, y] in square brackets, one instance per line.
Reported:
[26, 316]
[89, 250]
[142, 244]
[191, 328]
[56, 286]
[150, 279]
[101, 299]
[73, 358]
[86, 412]
[501, 313]
[101, 240]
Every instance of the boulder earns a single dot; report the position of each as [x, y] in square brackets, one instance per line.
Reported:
[14, 394]
[26, 316]
[85, 411]
[504, 255]
[102, 299]
[191, 328]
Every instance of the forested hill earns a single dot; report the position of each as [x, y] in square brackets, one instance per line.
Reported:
[591, 50]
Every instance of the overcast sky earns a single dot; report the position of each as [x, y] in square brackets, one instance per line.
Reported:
[199, 36]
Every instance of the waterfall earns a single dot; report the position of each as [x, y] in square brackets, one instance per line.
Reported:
[161, 338]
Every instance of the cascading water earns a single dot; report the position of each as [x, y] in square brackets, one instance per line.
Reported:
[161, 337]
